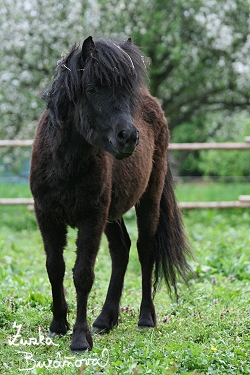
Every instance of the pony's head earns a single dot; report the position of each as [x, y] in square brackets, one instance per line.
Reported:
[97, 89]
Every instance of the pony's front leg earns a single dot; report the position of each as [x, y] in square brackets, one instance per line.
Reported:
[119, 245]
[54, 236]
[88, 241]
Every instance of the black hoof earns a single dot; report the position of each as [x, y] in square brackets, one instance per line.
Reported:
[78, 348]
[147, 322]
[58, 328]
[81, 342]
[78, 351]
[105, 322]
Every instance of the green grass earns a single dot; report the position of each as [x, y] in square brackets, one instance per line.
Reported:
[14, 191]
[211, 191]
[185, 191]
[207, 332]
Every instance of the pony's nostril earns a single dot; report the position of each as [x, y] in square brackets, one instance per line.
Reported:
[128, 137]
[123, 135]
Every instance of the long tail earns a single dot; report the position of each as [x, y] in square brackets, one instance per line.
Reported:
[172, 246]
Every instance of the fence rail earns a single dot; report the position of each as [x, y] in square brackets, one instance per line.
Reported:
[243, 202]
[209, 146]
[16, 143]
[172, 146]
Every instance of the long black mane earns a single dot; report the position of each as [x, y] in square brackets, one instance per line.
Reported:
[109, 62]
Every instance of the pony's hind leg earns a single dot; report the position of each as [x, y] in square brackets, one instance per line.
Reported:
[147, 224]
[55, 237]
[119, 246]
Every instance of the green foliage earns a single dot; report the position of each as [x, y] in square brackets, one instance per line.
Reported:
[225, 163]
[228, 163]
[207, 332]
[214, 162]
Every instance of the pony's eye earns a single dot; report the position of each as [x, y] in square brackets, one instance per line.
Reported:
[91, 90]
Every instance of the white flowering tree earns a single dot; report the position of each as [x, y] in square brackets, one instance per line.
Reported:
[33, 35]
[199, 52]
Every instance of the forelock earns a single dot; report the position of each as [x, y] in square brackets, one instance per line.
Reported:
[116, 64]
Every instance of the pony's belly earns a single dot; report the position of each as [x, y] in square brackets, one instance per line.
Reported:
[118, 209]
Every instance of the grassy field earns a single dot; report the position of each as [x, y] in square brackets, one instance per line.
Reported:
[207, 332]
[211, 191]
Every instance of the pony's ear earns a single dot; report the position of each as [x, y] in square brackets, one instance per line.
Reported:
[87, 47]
[129, 41]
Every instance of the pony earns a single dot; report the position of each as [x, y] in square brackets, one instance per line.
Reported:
[101, 148]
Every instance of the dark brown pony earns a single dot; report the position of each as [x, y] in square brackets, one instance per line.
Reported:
[100, 149]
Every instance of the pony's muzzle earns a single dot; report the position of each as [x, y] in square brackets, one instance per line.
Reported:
[124, 137]
[127, 140]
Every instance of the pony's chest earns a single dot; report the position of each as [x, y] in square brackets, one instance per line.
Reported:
[130, 180]
[66, 194]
